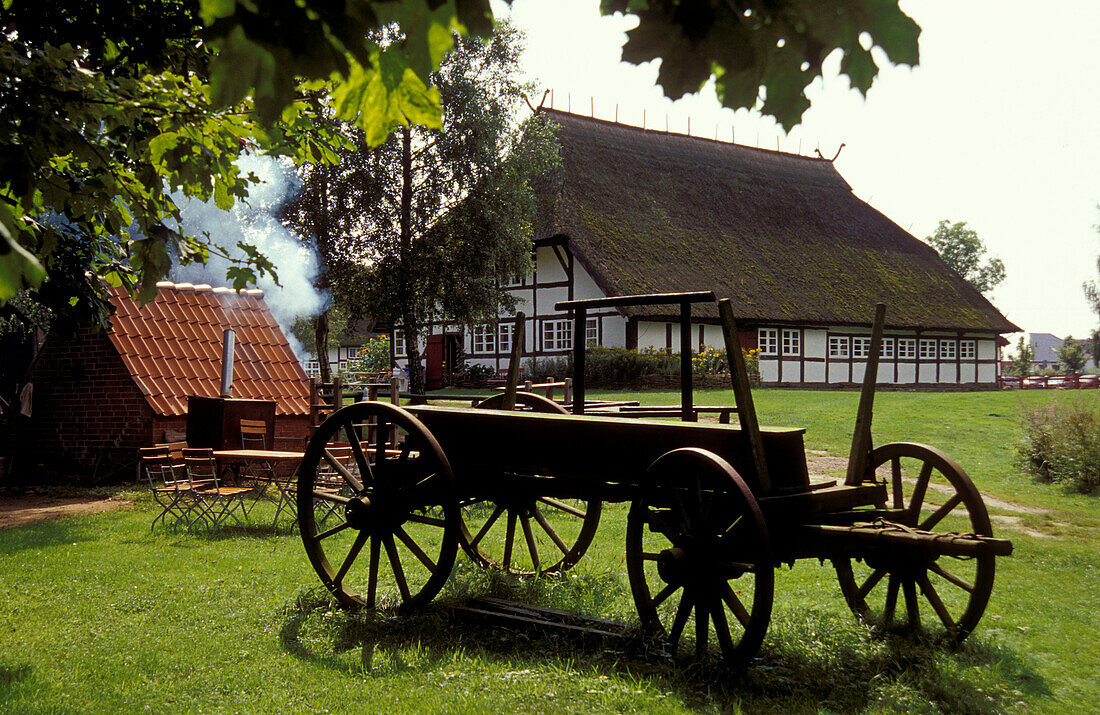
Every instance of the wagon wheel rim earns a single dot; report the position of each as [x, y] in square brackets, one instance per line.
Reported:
[380, 527]
[698, 558]
[529, 534]
[940, 596]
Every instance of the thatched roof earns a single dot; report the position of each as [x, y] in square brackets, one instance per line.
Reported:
[781, 235]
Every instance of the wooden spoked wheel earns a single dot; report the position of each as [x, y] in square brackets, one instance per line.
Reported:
[918, 590]
[378, 517]
[528, 534]
[697, 545]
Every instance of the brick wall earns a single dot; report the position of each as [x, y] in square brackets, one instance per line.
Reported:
[291, 432]
[86, 407]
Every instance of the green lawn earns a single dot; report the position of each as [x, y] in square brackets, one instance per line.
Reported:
[99, 614]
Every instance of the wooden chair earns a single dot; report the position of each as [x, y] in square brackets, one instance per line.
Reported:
[254, 436]
[170, 486]
[328, 481]
[218, 503]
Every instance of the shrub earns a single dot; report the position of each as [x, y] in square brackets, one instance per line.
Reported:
[372, 358]
[477, 375]
[605, 366]
[1061, 444]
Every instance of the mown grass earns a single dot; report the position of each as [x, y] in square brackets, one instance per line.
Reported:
[98, 614]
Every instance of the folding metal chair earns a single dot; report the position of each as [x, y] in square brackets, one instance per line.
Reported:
[171, 488]
[218, 503]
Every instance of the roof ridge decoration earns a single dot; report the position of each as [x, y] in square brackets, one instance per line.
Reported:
[682, 135]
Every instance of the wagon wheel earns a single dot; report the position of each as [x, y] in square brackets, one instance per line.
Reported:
[381, 525]
[928, 491]
[528, 534]
[697, 541]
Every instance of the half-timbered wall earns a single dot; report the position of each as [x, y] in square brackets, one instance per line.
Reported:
[790, 355]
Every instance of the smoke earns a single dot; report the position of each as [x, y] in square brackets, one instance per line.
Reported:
[256, 222]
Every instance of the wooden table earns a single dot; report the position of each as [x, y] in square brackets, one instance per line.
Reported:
[238, 460]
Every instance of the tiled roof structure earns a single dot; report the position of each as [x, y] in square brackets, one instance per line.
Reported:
[172, 347]
[783, 236]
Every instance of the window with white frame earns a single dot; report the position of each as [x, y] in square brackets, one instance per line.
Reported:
[557, 335]
[342, 366]
[927, 349]
[313, 368]
[887, 347]
[767, 341]
[792, 342]
[861, 347]
[947, 349]
[907, 348]
[398, 343]
[505, 331]
[838, 346]
[481, 339]
[591, 331]
[968, 349]
[515, 281]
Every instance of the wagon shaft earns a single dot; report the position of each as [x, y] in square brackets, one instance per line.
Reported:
[870, 537]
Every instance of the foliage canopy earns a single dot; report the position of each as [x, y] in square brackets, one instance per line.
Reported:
[109, 107]
[962, 250]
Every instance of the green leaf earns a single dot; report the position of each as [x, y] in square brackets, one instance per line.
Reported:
[19, 269]
[212, 10]
[860, 68]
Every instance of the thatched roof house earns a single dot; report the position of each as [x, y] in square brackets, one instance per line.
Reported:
[802, 258]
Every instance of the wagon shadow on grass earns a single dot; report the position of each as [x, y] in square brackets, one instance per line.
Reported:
[812, 659]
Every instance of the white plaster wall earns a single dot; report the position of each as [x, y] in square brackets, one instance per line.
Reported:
[987, 349]
[926, 372]
[907, 373]
[548, 267]
[859, 369]
[968, 372]
[791, 371]
[838, 372]
[813, 343]
[712, 336]
[987, 373]
[948, 373]
[815, 372]
[549, 296]
[651, 335]
[769, 370]
[886, 372]
[584, 288]
[614, 331]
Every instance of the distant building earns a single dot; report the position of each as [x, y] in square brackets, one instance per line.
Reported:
[1046, 350]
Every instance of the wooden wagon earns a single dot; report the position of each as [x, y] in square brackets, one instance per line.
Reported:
[387, 496]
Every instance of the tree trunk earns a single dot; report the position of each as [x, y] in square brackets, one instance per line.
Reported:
[411, 323]
[320, 344]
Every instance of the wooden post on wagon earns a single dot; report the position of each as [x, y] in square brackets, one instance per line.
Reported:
[511, 383]
[742, 393]
[861, 436]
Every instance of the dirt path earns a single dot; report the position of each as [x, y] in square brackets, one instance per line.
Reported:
[17, 511]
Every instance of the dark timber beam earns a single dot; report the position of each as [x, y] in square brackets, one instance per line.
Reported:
[861, 436]
[742, 393]
[512, 383]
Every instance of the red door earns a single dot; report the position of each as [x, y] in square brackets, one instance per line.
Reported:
[439, 357]
[433, 357]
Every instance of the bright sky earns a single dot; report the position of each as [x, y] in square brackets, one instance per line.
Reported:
[999, 126]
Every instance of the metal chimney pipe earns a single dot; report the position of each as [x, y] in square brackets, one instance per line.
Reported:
[228, 340]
